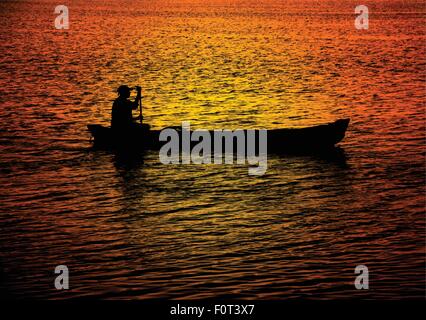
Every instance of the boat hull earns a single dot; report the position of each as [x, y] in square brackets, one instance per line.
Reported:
[309, 139]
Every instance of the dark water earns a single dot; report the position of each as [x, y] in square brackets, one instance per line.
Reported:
[135, 228]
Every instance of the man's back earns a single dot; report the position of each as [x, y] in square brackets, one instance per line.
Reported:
[121, 117]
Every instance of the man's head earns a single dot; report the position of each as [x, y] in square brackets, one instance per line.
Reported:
[123, 91]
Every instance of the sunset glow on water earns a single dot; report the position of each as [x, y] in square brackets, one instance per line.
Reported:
[141, 229]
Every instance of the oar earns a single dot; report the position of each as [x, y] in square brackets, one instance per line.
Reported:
[140, 107]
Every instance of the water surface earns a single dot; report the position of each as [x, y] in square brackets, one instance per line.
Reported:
[139, 229]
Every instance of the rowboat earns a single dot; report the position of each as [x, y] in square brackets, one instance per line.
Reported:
[316, 138]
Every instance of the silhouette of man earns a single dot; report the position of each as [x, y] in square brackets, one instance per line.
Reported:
[121, 117]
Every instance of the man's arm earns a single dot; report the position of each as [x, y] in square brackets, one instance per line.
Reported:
[135, 104]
